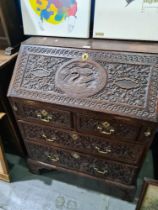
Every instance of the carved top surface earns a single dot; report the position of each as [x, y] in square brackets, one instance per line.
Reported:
[113, 82]
[96, 44]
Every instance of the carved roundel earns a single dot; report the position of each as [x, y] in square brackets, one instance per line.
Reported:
[78, 78]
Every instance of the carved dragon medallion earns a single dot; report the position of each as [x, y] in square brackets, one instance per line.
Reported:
[78, 78]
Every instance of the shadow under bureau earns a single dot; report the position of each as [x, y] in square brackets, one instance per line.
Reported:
[87, 106]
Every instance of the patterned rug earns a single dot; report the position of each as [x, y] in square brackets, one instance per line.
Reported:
[51, 191]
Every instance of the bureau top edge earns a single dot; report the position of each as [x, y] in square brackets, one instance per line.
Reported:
[96, 44]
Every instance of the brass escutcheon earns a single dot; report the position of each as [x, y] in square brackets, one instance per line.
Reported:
[106, 124]
[75, 155]
[85, 57]
[74, 136]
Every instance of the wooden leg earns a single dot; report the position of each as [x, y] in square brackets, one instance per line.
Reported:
[35, 166]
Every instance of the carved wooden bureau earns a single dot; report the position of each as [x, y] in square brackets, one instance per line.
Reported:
[87, 107]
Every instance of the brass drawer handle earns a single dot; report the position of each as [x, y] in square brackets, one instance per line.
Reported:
[101, 172]
[74, 136]
[2, 114]
[44, 116]
[75, 155]
[148, 132]
[108, 150]
[48, 139]
[53, 158]
[106, 131]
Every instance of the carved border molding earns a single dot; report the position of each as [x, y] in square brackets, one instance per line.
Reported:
[147, 113]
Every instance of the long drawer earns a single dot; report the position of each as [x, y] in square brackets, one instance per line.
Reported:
[105, 169]
[116, 150]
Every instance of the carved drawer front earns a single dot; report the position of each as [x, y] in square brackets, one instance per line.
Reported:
[108, 127]
[43, 114]
[85, 163]
[122, 151]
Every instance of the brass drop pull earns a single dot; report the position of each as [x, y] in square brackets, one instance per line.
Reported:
[74, 136]
[85, 57]
[101, 172]
[2, 114]
[147, 133]
[54, 158]
[75, 155]
[107, 150]
[106, 128]
[48, 139]
[44, 116]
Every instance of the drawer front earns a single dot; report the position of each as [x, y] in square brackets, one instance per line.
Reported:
[42, 114]
[107, 127]
[129, 153]
[85, 163]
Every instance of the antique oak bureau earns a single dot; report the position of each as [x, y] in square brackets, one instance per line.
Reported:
[87, 107]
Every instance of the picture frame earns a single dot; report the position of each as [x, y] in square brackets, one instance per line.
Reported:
[149, 195]
[126, 20]
[58, 18]
[4, 174]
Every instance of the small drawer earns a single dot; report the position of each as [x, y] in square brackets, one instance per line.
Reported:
[87, 164]
[108, 127]
[43, 114]
[116, 150]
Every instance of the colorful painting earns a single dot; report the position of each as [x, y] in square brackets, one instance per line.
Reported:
[126, 19]
[56, 17]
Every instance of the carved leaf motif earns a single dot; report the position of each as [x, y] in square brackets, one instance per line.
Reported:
[41, 72]
[126, 83]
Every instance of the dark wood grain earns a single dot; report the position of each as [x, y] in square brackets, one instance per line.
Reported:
[103, 147]
[131, 77]
[89, 105]
[96, 44]
[118, 190]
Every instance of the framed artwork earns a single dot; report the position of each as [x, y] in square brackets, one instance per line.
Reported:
[11, 33]
[149, 196]
[3, 164]
[63, 18]
[126, 19]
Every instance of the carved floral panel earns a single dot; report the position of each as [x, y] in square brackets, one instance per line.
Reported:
[87, 164]
[121, 129]
[113, 149]
[128, 85]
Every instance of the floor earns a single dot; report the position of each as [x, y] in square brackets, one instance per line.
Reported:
[59, 191]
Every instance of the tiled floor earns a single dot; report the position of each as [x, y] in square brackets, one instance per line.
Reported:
[58, 191]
